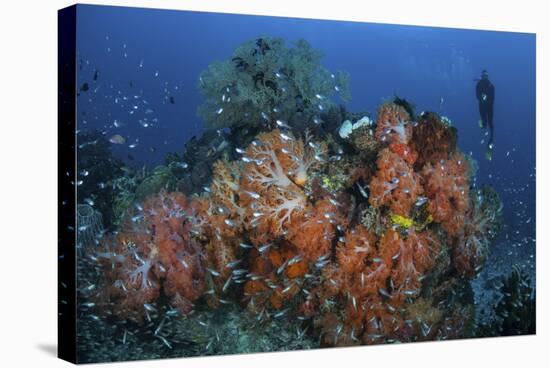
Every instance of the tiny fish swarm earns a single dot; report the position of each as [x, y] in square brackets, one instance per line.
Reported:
[264, 235]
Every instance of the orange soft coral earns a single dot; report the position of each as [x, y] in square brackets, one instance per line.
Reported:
[395, 184]
[156, 249]
[274, 277]
[272, 179]
[123, 291]
[407, 259]
[224, 193]
[224, 216]
[268, 190]
[224, 222]
[414, 255]
[279, 159]
[404, 151]
[393, 127]
[355, 248]
[313, 231]
[393, 124]
[447, 188]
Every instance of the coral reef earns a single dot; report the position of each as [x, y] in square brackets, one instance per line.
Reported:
[264, 81]
[289, 223]
[367, 239]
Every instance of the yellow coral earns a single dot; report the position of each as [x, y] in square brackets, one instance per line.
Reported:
[402, 221]
[406, 222]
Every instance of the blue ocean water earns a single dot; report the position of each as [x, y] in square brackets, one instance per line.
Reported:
[144, 63]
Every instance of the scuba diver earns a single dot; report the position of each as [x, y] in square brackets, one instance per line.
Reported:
[485, 93]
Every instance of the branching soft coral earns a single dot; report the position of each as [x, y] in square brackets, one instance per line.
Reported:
[393, 124]
[290, 231]
[355, 248]
[224, 214]
[413, 256]
[395, 184]
[155, 250]
[224, 190]
[481, 226]
[393, 127]
[447, 188]
[277, 166]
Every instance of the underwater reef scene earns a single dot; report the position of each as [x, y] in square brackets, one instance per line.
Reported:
[290, 223]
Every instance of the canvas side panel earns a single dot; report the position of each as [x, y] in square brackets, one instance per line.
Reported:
[66, 171]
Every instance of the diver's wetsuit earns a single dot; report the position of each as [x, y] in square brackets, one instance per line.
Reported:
[485, 92]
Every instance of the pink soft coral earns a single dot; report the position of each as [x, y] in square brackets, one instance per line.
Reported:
[155, 249]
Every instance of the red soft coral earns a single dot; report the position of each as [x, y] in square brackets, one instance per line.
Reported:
[355, 248]
[395, 184]
[314, 230]
[447, 188]
[274, 277]
[432, 139]
[375, 281]
[393, 124]
[393, 127]
[414, 255]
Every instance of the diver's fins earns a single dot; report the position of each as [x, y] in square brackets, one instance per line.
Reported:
[480, 122]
